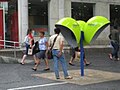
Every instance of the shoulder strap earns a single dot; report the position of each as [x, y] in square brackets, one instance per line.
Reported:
[53, 42]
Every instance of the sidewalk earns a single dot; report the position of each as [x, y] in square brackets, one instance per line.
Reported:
[101, 70]
[91, 76]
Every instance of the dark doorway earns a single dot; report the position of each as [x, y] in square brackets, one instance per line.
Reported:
[38, 15]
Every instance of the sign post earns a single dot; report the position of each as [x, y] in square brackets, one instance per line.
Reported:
[82, 53]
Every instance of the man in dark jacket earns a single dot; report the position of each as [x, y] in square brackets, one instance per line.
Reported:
[114, 37]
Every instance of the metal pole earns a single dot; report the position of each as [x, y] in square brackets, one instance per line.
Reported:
[82, 53]
[14, 51]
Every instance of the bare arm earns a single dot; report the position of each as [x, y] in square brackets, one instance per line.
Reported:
[47, 45]
[61, 46]
[30, 42]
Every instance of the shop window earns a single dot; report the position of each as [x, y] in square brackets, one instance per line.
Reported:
[10, 20]
[38, 16]
[82, 11]
[114, 16]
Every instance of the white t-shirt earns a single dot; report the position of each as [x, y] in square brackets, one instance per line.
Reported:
[27, 40]
[42, 43]
[58, 41]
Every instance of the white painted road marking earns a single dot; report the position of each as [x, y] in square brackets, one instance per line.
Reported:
[44, 85]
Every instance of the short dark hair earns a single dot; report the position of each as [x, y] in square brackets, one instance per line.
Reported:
[115, 27]
[29, 31]
[57, 30]
[43, 33]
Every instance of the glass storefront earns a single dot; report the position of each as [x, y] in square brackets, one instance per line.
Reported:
[13, 20]
[4, 7]
[38, 16]
[115, 15]
[10, 20]
[82, 11]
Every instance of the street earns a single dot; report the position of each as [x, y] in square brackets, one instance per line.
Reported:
[102, 74]
[28, 26]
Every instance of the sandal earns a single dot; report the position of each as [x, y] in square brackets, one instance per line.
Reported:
[35, 69]
[22, 63]
[69, 77]
[46, 69]
[71, 64]
[87, 64]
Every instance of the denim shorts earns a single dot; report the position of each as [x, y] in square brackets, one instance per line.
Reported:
[41, 54]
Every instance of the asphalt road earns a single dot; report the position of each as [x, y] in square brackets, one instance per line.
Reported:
[19, 77]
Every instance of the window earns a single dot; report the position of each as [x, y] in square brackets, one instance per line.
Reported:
[115, 15]
[38, 15]
[82, 11]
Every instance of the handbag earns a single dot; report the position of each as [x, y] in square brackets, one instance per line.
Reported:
[30, 51]
[36, 48]
[49, 53]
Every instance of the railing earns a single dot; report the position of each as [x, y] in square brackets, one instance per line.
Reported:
[9, 44]
[5, 44]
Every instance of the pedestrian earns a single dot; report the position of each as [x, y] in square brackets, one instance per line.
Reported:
[43, 46]
[76, 51]
[58, 55]
[29, 42]
[114, 37]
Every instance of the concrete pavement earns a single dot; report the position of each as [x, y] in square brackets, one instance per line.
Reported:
[102, 74]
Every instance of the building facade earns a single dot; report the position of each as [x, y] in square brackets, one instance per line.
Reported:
[19, 15]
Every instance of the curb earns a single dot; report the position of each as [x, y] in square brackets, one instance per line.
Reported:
[10, 60]
[6, 59]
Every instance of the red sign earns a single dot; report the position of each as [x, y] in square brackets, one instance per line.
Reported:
[14, 27]
[1, 29]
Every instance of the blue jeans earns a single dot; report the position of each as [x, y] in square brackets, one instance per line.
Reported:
[115, 49]
[62, 60]
[27, 47]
